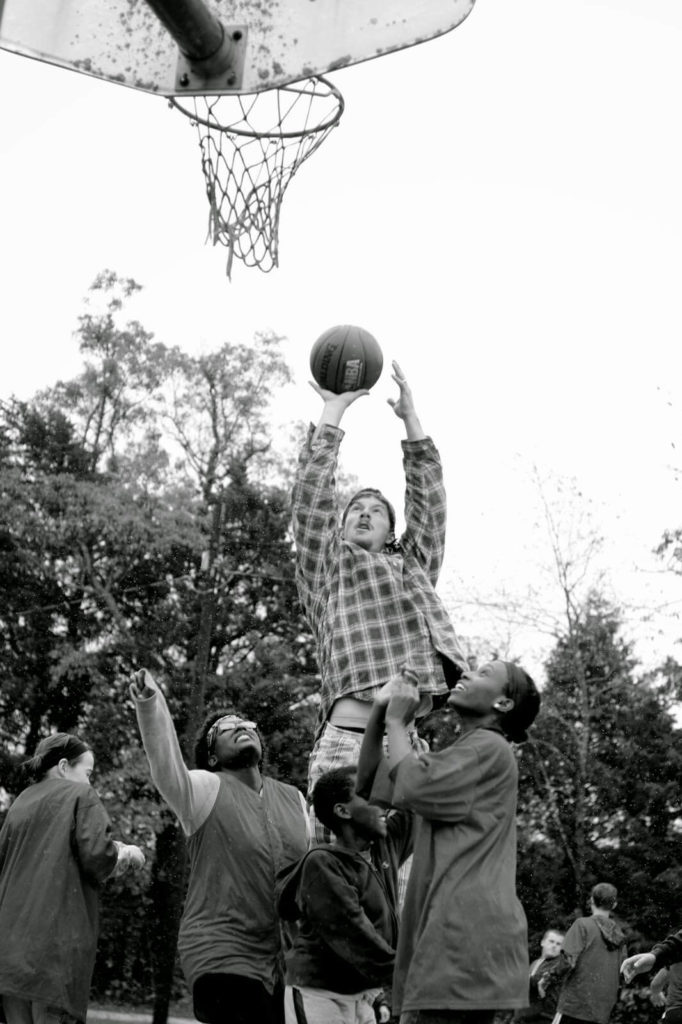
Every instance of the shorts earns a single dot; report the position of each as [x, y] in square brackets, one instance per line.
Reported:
[304, 1005]
[448, 1017]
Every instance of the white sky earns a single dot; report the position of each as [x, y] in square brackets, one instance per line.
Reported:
[501, 207]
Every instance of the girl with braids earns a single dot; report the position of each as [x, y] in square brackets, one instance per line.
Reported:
[56, 850]
[462, 948]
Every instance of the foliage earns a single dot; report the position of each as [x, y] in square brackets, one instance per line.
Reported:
[137, 529]
[620, 801]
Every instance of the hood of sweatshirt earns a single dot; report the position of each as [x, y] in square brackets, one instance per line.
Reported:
[611, 932]
[288, 879]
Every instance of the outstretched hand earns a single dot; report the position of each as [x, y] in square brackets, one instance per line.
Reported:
[403, 405]
[142, 685]
[640, 963]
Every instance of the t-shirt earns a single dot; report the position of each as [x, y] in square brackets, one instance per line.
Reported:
[238, 840]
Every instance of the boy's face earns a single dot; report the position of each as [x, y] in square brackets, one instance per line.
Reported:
[369, 821]
[478, 690]
[367, 523]
[551, 944]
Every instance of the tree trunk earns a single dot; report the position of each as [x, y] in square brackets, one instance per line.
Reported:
[167, 892]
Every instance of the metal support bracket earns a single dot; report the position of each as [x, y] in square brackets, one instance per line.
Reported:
[190, 77]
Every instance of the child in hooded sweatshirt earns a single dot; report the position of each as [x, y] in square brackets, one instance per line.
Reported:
[590, 961]
[343, 898]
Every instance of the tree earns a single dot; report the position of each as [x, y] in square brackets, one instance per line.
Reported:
[584, 811]
[137, 528]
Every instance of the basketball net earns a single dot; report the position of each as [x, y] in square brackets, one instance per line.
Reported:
[251, 147]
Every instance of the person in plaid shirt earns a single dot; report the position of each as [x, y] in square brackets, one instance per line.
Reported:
[370, 599]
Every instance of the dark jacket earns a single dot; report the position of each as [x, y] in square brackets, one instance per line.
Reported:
[55, 851]
[669, 951]
[345, 909]
[541, 1008]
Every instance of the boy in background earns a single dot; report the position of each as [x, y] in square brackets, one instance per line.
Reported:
[590, 962]
[543, 992]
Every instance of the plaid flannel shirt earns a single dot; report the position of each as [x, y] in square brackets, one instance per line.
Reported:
[372, 612]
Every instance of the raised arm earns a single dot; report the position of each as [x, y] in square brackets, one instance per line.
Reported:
[425, 499]
[334, 405]
[404, 408]
[315, 514]
[189, 794]
[371, 751]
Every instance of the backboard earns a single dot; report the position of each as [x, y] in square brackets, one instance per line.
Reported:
[276, 42]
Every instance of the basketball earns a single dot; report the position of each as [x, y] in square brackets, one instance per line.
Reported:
[346, 358]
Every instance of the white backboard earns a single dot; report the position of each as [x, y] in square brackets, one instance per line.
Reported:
[281, 40]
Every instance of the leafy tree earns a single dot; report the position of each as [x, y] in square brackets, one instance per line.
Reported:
[137, 528]
[599, 784]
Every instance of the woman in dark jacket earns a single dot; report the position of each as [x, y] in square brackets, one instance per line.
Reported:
[56, 850]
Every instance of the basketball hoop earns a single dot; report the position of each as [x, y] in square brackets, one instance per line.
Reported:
[251, 147]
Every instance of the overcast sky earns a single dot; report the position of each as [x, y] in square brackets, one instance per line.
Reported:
[501, 207]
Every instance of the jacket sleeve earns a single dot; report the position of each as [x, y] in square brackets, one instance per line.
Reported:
[315, 519]
[189, 794]
[400, 833]
[332, 907]
[93, 844]
[439, 787]
[425, 506]
[669, 951]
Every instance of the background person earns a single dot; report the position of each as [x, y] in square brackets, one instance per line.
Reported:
[665, 990]
[663, 954]
[242, 828]
[543, 991]
[590, 961]
[56, 850]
